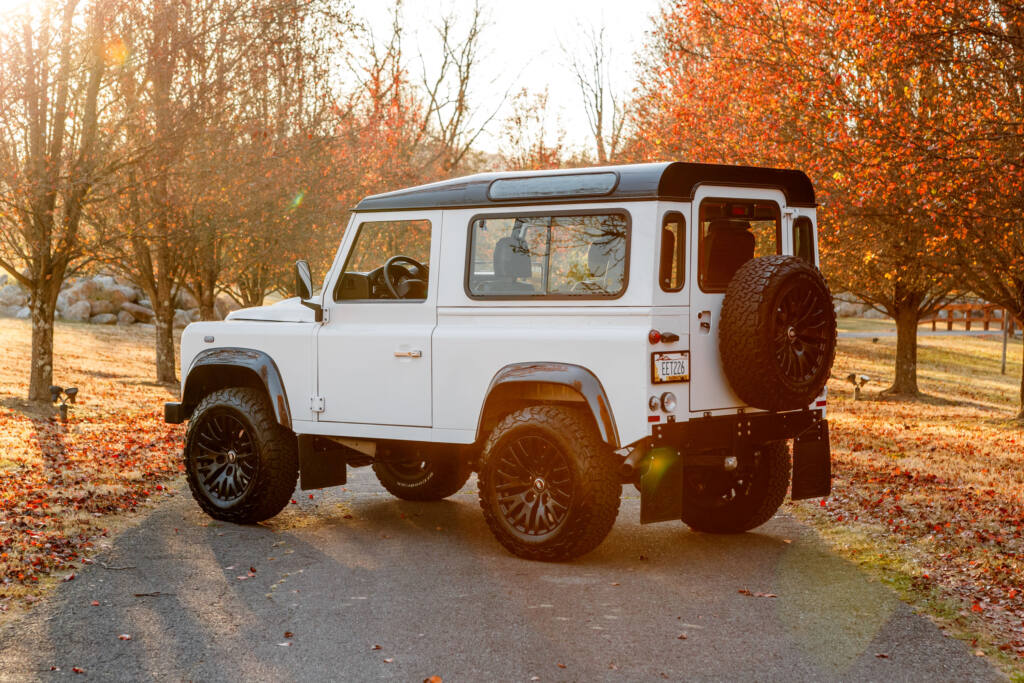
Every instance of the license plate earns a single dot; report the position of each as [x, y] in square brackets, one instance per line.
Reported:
[670, 366]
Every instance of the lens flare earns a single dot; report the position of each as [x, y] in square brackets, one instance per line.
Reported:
[116, 53]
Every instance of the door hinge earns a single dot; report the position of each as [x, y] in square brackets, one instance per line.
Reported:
[326, 315]
[316, 404]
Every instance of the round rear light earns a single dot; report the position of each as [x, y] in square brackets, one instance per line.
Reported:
[653, 403]
[668, 402]
[654, 336]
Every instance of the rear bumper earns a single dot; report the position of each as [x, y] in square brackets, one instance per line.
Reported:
[733, 431]
[174, 413]
[674, 446]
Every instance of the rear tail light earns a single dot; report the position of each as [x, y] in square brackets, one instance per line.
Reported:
[654, 336]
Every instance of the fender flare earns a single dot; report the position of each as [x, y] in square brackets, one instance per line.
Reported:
[257, 370]
[576, 378]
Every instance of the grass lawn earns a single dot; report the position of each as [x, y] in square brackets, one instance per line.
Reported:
[929, 494]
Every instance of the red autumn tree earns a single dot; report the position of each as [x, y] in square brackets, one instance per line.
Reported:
[846, 91]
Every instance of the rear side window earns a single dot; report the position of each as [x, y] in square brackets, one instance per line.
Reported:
[732, 232]
[672, 271]
[803, 239]
[554, 256]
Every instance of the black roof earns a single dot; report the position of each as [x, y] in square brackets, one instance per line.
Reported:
[675, 181]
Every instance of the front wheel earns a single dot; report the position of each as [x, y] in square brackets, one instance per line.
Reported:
[722, 502]
[549, 487]
[416, 473]
[241, 465]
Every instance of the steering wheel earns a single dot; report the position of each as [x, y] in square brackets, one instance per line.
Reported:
[412, 283]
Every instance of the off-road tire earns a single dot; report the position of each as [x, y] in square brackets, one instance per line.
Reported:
[440, 477]
[277, 459]
[755, 343]
[595, 484]
[770, 481]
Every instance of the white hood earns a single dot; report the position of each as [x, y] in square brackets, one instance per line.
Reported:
[286, 311]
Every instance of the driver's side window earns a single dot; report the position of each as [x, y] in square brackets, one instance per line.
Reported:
[388, 260]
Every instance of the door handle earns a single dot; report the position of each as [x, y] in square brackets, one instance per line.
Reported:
[415, 353]
[705, 321]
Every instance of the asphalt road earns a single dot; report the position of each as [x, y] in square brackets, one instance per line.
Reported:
[369, 587]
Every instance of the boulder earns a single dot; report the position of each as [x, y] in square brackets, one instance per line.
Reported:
[104, 282]
[78, 312]
[3, 279]
[103, 306]
[194, 315]
[103, 319]
[23, 313]
[181, 319]
[224, 305]
[143, 301]
[13, 295]
[140, 313]
[125, 318]
[81, 290]
[119, 294]
[9, 311]
[184, 300]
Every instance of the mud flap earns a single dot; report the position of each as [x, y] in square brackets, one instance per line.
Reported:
[812, 462]
[322, 462]
[661, 486]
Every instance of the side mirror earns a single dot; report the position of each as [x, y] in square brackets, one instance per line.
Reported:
[304, 288]
[303, 280]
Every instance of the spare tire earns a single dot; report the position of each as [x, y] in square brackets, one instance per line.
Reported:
[777, 335]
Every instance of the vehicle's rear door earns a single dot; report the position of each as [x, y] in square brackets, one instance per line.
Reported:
[729, 226]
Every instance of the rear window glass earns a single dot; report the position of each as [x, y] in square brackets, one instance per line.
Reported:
[569, 256]
[732, 232]
[803, 239]
[672, 269]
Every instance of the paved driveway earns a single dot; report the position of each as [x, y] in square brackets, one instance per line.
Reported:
[356, 585]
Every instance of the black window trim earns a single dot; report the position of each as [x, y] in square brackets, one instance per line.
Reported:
[680, 250]
[348, 259]
[617, 211]
[698, 226]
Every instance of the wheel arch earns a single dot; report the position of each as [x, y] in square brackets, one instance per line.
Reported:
[214, 369]
[523, 383]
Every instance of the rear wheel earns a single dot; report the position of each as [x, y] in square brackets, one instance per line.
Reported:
[241, 465]
[414, 473]
[549, 487]
[722, 502]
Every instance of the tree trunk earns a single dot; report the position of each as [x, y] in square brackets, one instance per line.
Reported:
[42, 305]
[207, 310]
[1020, 414]
[906, 352]
[165, 361]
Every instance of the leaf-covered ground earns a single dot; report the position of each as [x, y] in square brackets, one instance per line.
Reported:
[62, 486]
[931, 492]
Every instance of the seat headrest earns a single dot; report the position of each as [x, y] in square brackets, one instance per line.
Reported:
[512, 258]
[728, 245]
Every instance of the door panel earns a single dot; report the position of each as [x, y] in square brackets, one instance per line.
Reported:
[709, 388]
[374, 355]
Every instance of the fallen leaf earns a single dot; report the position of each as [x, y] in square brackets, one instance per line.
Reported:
[376, 647]
[882, 655]
[124, 636]
[433, 679]
[289, 634]
[95, 603]
[388, 660]
[979, 653]
[78, 670]
[560, 665]
[285, 644]
[682, 636]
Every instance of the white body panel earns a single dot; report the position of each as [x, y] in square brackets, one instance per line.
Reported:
[349, 360]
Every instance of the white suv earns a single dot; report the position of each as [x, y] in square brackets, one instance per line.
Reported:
[561, 333]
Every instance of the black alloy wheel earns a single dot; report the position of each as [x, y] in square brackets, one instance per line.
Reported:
[226, 462]
[534, 487]
[799, 332]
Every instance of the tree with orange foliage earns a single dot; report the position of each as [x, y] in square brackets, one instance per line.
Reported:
[849, 92]
[53, 147]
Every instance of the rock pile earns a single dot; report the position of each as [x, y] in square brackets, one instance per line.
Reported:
[105, 300]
